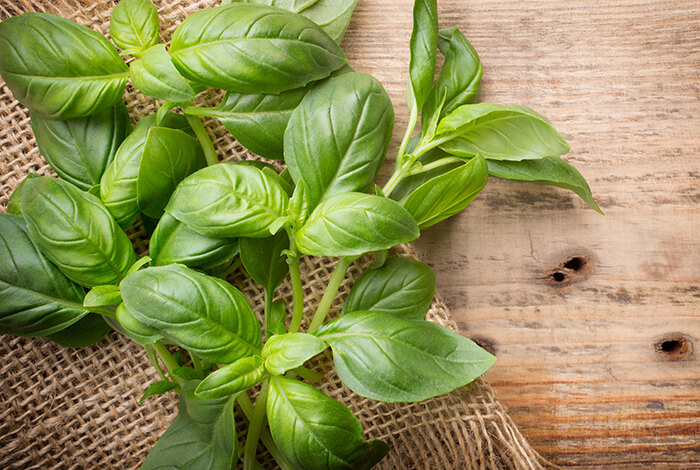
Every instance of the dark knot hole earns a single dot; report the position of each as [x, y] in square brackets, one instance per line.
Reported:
[675, 347]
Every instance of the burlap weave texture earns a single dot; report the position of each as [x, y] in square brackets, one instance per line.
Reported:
[78, 409]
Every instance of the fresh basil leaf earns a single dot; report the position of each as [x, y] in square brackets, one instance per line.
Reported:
[315, 431]
[169, 155]
[423, 46]
[253, 49]
[202, 436]
[157, 388]
[278, 315]
[118, 187]
[80, 149]
[402, 287]
[331, 15]
[75, 231]
[262, 258]
[134, 328]
[187, 373]
[58, 68]
[499, 132]
[460, 78]
[448, 194]
[85, 332]
[391, 359]
[290, 350]
[299, 204]
[156, 76]
[174, 243]
[134, 26]
[103, 295]
[412, 182]
[14, 204]
[354, 223]
[229, 200]
[232, 379]
[203, 314]
[38, 299]
[547, 171]
[337, 137]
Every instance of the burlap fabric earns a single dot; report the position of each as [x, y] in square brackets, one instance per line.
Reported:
[78, 409]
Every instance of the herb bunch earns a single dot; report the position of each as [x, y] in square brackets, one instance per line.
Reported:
[69, 272]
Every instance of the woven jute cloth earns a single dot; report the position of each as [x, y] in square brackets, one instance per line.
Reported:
[79, 408]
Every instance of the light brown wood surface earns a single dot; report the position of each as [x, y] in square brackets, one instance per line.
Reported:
[582, 367]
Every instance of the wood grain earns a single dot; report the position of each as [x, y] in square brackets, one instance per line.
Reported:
[581, 367]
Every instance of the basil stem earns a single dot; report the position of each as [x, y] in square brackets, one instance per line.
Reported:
[169, 362]
[203, 138]
[254, 428]
[329, 295]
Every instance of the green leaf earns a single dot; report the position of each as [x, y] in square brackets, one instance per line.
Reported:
[76, 232]
[134, 26]
[14, 204]
[546, 171]
[253, 49]
[499, 132]
[169, 155]
[156, 76]
[174, 243]
[316, 432]
[232, 379]
[460, 78]
[402, 287]
[136, 329]
[337, 137]
[158, 388]
[423, 46]
[118, 187]
[278, 315]
[103, 295]
[391, 359]
[354, 223]
[187, 373]
[79, 150]
[202, 436]
[85, 332]
[331, 15]
[37, 298]
[203, 314]
[290, 350]
[263, 260]
[58, 68]
[448, 194]
[229, 200]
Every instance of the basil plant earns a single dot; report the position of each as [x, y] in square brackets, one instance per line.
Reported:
[69, 272]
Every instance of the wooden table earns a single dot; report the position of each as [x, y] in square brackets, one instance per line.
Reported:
[594, 319]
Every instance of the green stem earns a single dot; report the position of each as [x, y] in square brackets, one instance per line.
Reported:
[101, 311]
[254, 428]
[423, 148]
[203, 138]
[435, 164]
[308, 374]
[196, 362]
[266, 314]
[297, 288]
[329, 295]
[169, 362]
[154, 360]
[265, 436]
[412, 122]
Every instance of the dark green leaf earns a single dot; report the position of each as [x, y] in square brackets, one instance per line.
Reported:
[134, 26]
[14, 204]
[169, 155]
[391, 359]
[354, 223]
[187, 373]
[203, 314]
[202, 436]
[423, 47]
[253, 49]
[85, 332]
[174, 243]
[103, 295]
[402, 287]
[547, 171]
[448, 194]
[263, 260]
[337, 137]
[316, 432]
[59, 68]
[75, 231]
[229, 200]
[134, 328]
[499, 132]
[79, 150]
[232, 379]
[157, 388]
[37, 298]
[156, 76]
[290, 350]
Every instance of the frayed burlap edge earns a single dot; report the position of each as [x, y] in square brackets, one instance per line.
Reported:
[78, 409]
